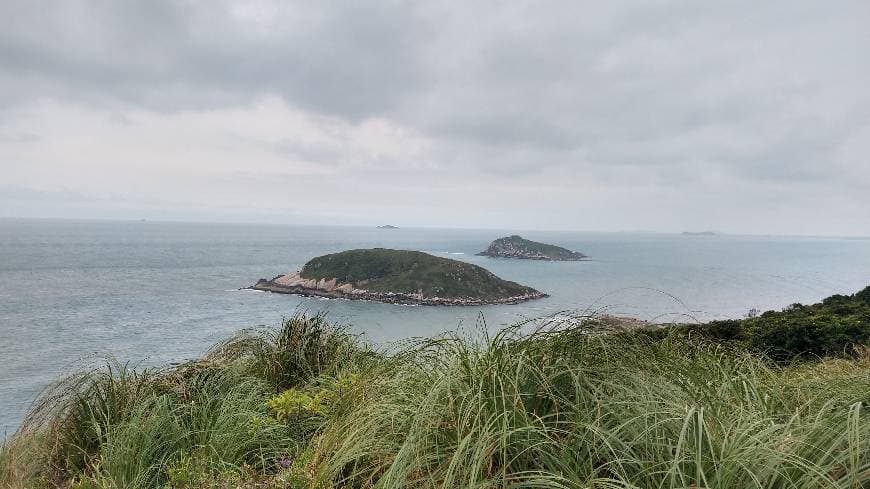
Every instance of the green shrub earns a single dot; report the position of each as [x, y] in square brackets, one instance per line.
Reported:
[78, 413]
[217, 416]
[119, 428]
[304, 348]
[186, 471]
[23, 458]
[135, 450]
[833, 327]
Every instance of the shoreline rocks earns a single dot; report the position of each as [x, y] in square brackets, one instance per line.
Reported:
[295, 284]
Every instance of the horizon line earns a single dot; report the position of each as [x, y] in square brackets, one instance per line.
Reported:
[418, 226]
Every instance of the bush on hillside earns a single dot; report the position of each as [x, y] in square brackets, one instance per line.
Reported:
[304, 347]
[834, 326]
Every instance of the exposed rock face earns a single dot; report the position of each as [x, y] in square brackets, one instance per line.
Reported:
[296, 281]
[517, 247]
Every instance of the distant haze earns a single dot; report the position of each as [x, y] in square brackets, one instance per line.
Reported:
[738, 116]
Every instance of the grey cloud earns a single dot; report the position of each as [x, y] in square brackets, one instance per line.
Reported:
[353, 60]
[328, 155]
[26, 194]
[19, 138]
[663, 94]
[658, 74]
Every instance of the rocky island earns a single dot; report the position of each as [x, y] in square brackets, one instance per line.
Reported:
[518, 247]
[399, 277]
[388, 226]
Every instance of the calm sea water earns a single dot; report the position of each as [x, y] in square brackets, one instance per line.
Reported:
[154, 293]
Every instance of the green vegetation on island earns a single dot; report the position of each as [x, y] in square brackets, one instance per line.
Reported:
[310, 405]
[518, 247]
[399, 276]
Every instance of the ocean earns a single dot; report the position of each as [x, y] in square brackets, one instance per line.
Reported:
[151, 293]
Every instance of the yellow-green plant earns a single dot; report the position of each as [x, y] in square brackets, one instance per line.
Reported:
[293, 402]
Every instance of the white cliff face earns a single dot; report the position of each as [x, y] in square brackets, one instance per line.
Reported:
[295, 279]
[345, 288]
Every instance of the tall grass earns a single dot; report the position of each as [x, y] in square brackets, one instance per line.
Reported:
[303, 348]
[118, 427]
[571, 411]
[547, 408]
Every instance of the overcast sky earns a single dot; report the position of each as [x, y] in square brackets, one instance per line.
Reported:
[739, 116]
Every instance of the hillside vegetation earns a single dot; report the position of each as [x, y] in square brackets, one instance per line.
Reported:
[831, 327]
[410, 272]
[518, 247]
[311, 406]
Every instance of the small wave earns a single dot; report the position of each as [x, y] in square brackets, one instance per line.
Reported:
[456, 253]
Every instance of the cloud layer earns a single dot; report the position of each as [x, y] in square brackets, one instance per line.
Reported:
[670, 115]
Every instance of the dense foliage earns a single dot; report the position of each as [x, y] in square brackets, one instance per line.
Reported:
[518, 247]
[310, 406]
[410, 272]
[832, 327]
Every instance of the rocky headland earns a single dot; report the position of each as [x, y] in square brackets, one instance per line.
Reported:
[518, 247]
[398, 277]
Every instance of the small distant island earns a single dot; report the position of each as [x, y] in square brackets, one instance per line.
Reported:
[399, 277]
[388, 226]
[518, 247]
[700, 233]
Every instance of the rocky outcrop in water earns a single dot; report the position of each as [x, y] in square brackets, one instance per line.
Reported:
[518, 247]
[399, 277]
